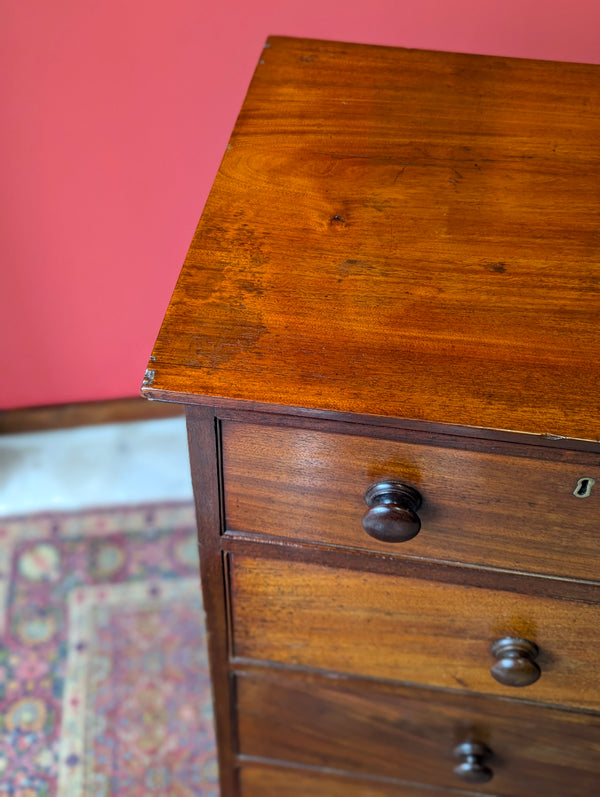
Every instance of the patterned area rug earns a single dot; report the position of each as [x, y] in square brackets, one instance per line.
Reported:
[104, 685]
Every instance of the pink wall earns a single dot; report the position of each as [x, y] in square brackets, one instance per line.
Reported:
[115, 116]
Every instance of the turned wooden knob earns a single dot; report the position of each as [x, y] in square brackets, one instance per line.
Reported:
[516, 665]
[392, 514]
[472, 767]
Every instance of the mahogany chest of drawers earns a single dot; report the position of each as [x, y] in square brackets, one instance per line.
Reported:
[386, 336]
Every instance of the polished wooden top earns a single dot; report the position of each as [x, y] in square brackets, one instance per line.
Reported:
[404, 234]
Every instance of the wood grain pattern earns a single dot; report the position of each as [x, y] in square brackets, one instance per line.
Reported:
[411, 630]
[405, 567]
[258, 780]
[489, 509]
[410, 734]
[203, 447]
[403, 234]
[396, 276]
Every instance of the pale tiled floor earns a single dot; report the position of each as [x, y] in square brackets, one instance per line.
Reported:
[94, 466]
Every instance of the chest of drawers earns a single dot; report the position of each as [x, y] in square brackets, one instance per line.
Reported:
[386, 337]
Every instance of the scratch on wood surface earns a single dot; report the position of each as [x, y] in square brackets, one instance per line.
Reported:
[148, 378]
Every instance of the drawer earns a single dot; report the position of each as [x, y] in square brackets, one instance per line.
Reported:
[417, 630]
[411, 734]
[258, 780]
[489, 509]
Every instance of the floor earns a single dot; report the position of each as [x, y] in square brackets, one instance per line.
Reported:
[94, 466]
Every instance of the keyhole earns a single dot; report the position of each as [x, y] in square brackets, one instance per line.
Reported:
[584, 487]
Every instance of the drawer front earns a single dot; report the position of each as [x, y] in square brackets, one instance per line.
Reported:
[478, 508]
[262, 781]
[410, 629]
[411, 734]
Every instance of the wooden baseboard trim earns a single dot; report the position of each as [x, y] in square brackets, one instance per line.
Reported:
[89, 413]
